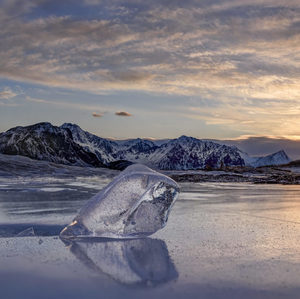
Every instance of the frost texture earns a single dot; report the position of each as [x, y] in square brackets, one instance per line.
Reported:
[135, 204]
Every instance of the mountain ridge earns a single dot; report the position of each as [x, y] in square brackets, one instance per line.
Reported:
[69, 144]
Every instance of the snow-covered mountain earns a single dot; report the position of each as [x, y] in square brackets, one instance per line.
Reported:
[101, 147]
[43, 141]
[69, 144]
[278, 158]
[190, 153]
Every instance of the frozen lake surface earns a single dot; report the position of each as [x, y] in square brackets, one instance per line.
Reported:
[222, 240]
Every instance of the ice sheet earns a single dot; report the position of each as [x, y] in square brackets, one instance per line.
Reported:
[231, 240]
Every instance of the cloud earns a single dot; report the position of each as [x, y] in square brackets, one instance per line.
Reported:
[132, 76]
[241, 55]
[7, 94]
[165, 48]
[66, 105]
[266, 116]
[264, 145]
[96, 114]
[122, 113]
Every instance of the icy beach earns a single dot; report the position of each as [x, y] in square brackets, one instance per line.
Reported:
[222, 240]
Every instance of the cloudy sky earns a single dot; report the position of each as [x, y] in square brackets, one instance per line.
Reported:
[158, 68]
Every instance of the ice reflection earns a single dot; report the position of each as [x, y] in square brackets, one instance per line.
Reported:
[131, 262]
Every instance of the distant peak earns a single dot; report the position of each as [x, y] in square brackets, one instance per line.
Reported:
[39, 126]
[184, 137]
[69, 125]
[42, 124]
[281, 153]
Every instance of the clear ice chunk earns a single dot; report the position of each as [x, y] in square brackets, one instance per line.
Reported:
[135, 204]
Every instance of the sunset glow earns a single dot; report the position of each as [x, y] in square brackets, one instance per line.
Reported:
[209, 69]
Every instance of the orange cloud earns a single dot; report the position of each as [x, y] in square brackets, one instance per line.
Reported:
[123, 113]
[95, 114]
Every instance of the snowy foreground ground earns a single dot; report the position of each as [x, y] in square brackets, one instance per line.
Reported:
[222, 240]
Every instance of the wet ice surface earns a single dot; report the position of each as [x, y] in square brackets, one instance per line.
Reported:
[221, 241]
[46, 199]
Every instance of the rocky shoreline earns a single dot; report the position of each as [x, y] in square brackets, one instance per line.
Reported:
[262, 175]
[18, 166]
